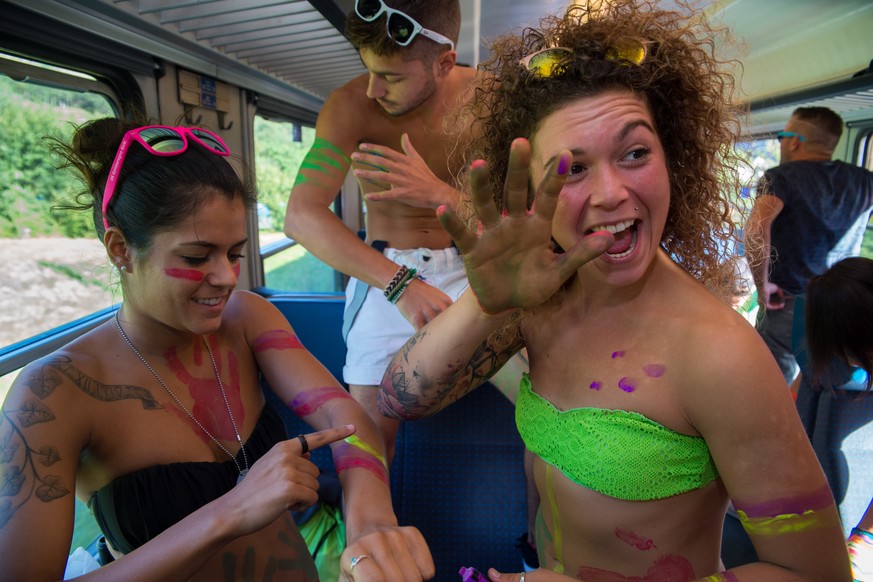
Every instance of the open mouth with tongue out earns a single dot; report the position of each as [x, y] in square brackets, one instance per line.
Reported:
[625, 234]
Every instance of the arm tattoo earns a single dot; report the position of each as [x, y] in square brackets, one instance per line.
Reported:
[403, 397]
[22, 467]
[20, 474]
[44, 382]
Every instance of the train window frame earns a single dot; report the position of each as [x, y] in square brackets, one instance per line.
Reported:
[49, 337]
[59, 82]
[863, 156]
[286, 266]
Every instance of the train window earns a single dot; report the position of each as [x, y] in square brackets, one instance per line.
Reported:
[56, 270]
[865, 158]
[759, 155]
[279, 150]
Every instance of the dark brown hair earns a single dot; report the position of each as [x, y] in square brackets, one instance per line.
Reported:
[839, 317]
[154, 193]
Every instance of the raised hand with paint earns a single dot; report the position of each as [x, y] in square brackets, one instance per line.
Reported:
[597, 242]
[156, 418]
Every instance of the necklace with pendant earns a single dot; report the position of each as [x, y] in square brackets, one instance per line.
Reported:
[242, 472]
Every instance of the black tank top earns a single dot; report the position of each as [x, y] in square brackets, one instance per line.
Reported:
[134, 508]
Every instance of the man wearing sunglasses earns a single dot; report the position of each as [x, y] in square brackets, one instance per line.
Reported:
[407, 271]
[810, 212]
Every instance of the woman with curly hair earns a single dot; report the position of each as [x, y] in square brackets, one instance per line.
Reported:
[599, 244]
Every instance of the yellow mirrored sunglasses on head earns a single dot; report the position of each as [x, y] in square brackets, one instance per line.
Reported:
[550, 62]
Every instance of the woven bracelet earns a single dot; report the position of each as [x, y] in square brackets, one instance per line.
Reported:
[400, 276]
[398, 293]
[401, 287]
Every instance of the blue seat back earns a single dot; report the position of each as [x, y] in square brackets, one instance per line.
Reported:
[457, 476]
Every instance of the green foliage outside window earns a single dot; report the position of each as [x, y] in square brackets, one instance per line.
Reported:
[30, 185]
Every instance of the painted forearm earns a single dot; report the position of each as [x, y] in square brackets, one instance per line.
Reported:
[313, 400]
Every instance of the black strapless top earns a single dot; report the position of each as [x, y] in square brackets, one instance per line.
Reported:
[136, 507]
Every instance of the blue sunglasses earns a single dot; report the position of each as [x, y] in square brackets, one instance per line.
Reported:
[783, 134]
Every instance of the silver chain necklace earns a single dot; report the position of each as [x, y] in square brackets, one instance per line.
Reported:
[242, 472]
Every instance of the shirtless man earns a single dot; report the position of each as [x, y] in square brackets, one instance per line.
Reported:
[370, 124]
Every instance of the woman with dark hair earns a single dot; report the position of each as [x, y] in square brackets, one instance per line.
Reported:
[598, 243]
[839, 326]
[157, 419]
[839, 317]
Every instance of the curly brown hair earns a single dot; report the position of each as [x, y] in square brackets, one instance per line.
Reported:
[687, 88]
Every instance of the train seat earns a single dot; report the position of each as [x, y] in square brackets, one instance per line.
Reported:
[457, 476]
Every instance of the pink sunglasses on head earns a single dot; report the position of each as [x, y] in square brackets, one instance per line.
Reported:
[158, 140]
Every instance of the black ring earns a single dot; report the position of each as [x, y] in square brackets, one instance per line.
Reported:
[303, 443]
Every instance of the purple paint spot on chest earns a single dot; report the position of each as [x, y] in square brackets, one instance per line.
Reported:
[595, 385]
[618, 354]
[654, 370]
[627, 384]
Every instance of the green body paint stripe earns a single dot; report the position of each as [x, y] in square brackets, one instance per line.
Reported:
[323, 144]
[317, 159]
[320, 157]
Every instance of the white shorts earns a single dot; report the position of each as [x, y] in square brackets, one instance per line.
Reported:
[378, 329]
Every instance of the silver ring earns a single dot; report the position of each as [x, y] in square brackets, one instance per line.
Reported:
[304, 444]
[522, 577]
[357, 559]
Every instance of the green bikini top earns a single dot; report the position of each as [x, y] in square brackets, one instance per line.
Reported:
[615, 452]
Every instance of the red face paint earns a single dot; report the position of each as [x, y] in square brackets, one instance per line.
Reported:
[187, 274]
[311, 400]
[278, 339]
[236, 269]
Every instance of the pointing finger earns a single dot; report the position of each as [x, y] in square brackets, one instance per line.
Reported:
[314, 440]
